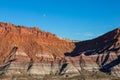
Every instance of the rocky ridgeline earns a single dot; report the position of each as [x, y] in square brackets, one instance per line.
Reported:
[30, 50]
[35, 52]
[31, 39]
[100, 54]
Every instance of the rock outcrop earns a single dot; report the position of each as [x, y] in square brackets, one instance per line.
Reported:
[30, 51]
[37, 52]
[101, 54]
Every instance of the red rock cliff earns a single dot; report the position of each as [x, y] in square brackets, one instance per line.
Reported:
[32, 41]
[32, 51]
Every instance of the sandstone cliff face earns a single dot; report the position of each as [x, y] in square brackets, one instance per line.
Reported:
[32, 41]
[35, 52]
[27, 48]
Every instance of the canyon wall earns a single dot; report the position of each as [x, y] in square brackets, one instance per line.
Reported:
[32, 51]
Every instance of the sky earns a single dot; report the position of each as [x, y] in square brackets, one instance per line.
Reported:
[72, 19]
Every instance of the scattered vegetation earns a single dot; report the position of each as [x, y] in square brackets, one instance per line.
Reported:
[85, 76]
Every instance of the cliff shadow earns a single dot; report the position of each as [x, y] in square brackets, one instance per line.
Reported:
[75, 51]
[96, 50]
[108, 67]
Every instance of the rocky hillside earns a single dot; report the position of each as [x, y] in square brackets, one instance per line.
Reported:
[23, 48]
[102, 53]
[32, 41]
[30, 51]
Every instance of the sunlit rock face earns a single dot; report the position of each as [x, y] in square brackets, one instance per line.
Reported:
[30, 51]
[38, 52]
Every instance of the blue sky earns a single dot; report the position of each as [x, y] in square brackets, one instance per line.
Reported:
[73, 19]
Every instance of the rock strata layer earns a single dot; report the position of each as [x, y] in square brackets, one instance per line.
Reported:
[30, 51]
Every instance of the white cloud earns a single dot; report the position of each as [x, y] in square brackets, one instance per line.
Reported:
[84, 34]
[100, 34]
[89, 34]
